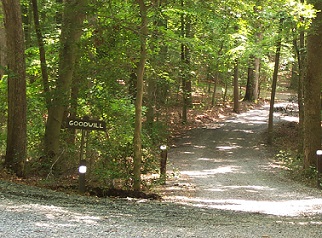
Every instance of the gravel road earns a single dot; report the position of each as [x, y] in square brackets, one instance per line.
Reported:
[223, 183]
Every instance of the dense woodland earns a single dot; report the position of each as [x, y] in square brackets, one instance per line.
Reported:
[138, 64]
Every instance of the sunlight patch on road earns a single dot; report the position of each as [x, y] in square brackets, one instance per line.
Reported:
[220, 170]
[250, 188]
[245, 131]
[277, 208]
[187, 152]
[250, 120]
[55, 213]
[199, 146]
[215, 160]
[228, 147]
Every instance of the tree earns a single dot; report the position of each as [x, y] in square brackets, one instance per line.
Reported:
[71, 30]
[42, 52]
[2, 45]
[17, 103]
[185, 57]
[274, 82]
[139, 95]
[312, 90]
[236, 87]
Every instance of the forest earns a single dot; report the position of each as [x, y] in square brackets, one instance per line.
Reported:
[140, 67]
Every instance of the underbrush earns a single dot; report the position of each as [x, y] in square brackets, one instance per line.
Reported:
[286, 144]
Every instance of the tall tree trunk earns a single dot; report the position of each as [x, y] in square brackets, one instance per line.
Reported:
[249, 94]
[236, 88]
[301, 93]
[2, 45]
[252, 87]
[300, 54]
[17, 104]
[185, 65]
[312, 91]
[26, 20]
[274, 83]
[139, 97]
[213, 98]
[73, 17]
[257, 63]
[42, 53]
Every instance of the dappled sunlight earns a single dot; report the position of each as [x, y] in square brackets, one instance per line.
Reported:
[249, 188]
[187, 152]
[51, 213]
[251, 118]
[199, 146]
[227, 147]
[291, 118]
[215, 160]
[277, 208]
[250, 121]
[204, 173]
[245, 131]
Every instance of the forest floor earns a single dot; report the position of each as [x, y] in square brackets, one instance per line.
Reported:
[224, 181]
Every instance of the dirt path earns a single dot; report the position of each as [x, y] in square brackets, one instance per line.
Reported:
[227, 166]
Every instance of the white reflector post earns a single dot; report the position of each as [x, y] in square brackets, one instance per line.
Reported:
[82, 169]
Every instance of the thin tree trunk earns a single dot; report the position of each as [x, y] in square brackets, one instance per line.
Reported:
[300, 54]
[236, 88]
[213, 99]
[257, 63]
[139, 97]
[274, 84]
[2, 46]
[42, 53]
[17, 103]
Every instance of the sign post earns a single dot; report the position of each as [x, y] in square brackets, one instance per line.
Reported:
[163, 164]
[85, 125]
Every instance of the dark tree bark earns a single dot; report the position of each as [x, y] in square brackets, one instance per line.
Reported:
[257, 64]
[312, 91]
[2, 46]
[185, 65]
[42, 53]
[236, 88]
[252, 86]
[249, 94]
[300, 54]
[17, 103]
[274, 83]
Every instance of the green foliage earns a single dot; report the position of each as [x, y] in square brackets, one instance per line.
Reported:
[36, 118]
[3, 114]
[108, 54]
[294, 165]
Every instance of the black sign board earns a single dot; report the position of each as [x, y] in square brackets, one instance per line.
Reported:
[86, 124]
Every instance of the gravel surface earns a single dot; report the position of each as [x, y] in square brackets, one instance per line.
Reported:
[223, 183]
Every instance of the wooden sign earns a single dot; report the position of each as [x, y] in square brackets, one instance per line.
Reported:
[86, 124]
